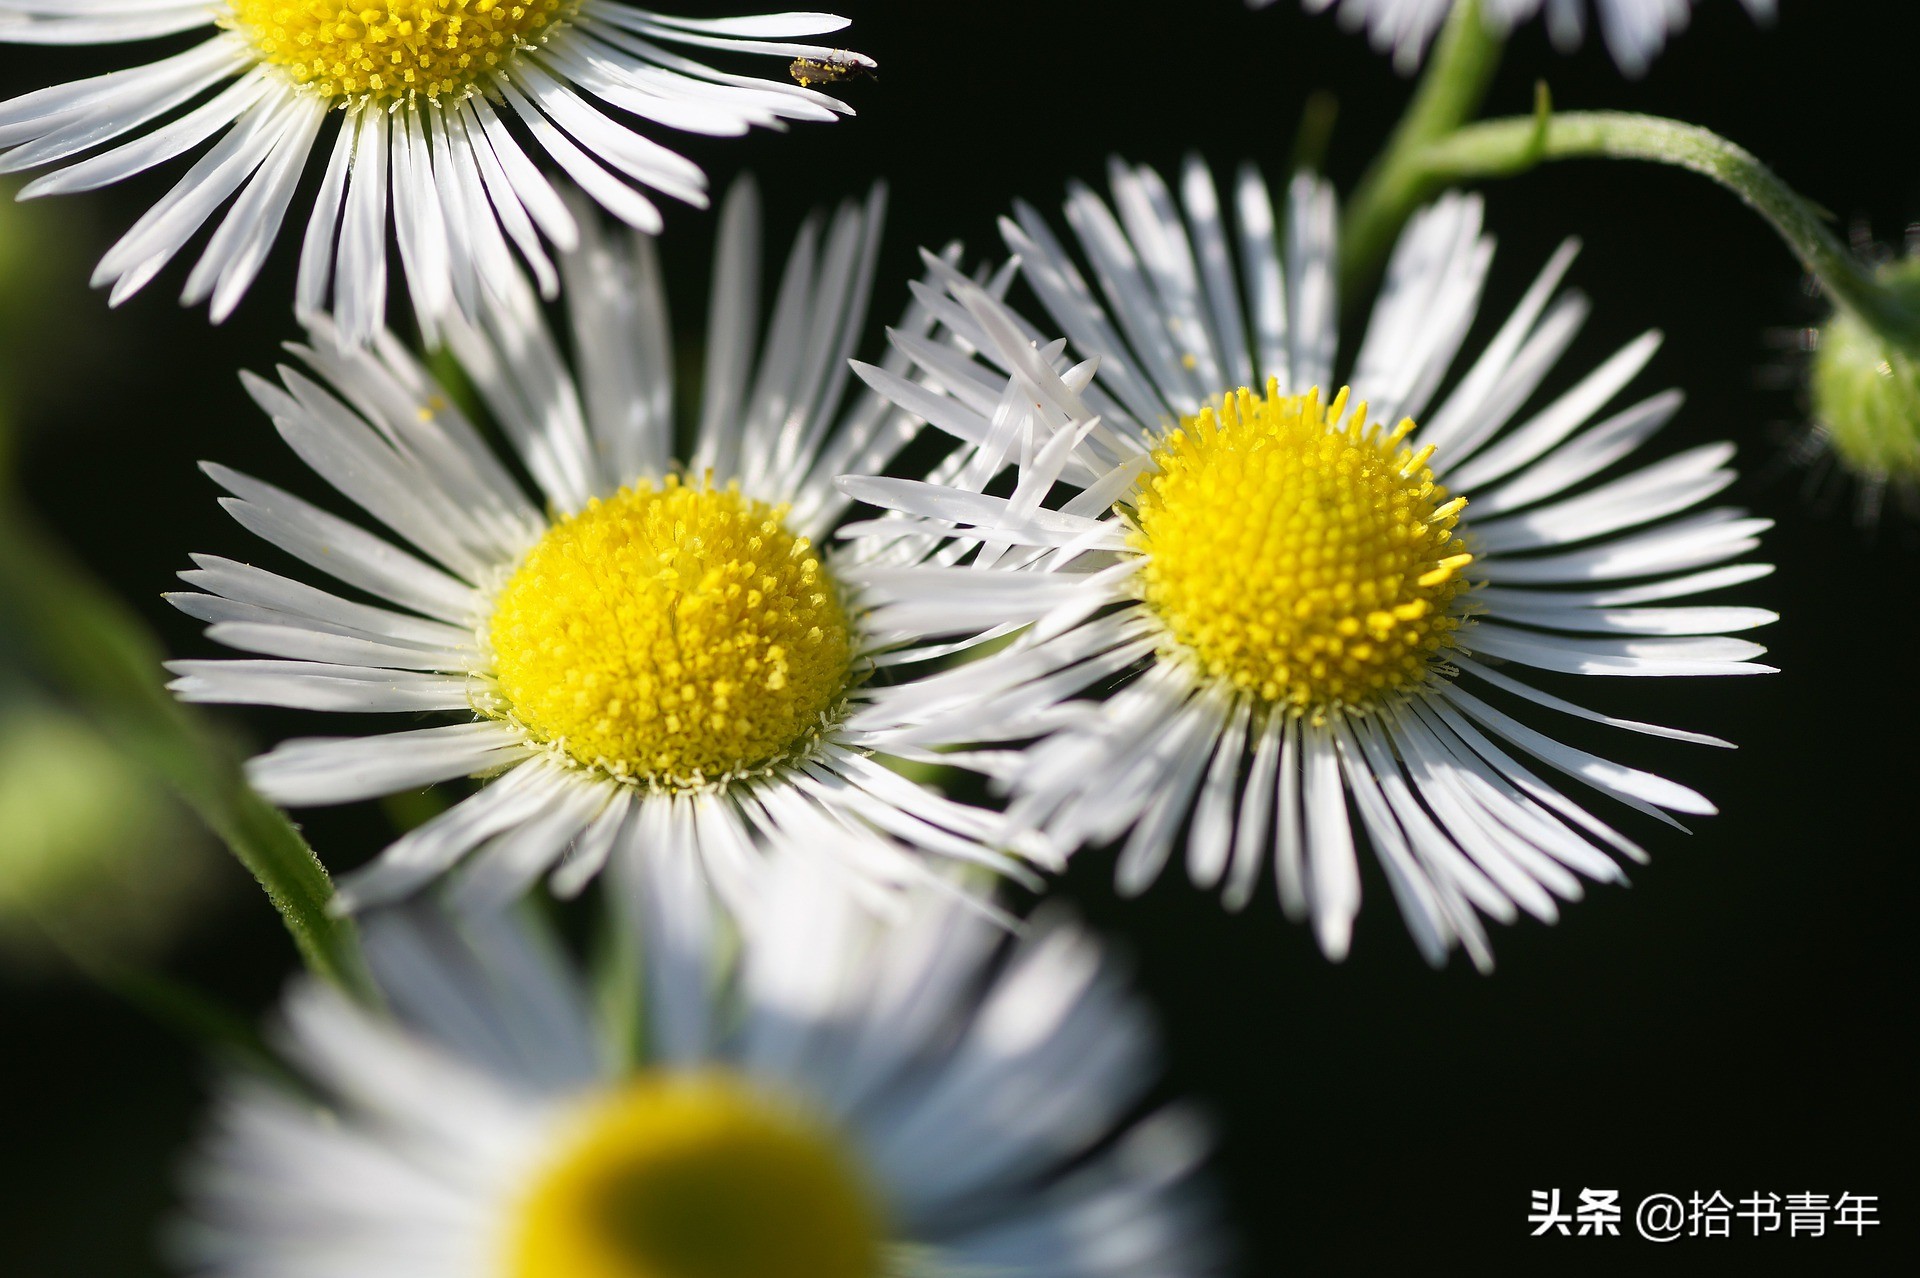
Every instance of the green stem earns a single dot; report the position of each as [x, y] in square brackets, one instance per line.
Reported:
[1315, 134]
[1450, 92]
[83, 639]
[1501, 147]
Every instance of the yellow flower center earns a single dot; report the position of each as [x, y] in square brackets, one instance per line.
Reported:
[1308, 562]
[696, 1177]
[393, 49]
[677, 635]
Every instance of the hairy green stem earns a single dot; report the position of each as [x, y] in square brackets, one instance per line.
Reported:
[80, 637]
[1501, 147]
[1449, 94]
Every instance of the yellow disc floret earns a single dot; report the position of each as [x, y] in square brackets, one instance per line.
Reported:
[695, 1177]
[393, 49]
[1309, 562]
[677, 635]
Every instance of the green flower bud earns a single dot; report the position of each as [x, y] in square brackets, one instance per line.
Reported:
[1866, 391]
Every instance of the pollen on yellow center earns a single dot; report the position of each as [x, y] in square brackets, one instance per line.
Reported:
[695, 1176]
[1308, 561]
[393, 49]
[678, 635]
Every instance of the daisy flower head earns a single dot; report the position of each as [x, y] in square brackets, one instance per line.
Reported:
[440, 110]
[1304, 602]
[661, 650]
[1634, 30]
[831, 1097]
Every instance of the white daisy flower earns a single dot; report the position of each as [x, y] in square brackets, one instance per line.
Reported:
[1635, 30]
[1307, 601]
[834, 1098]
[658, 652]
[436, 102]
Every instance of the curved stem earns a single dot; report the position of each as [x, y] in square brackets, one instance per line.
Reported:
[1450, 92]
[1500, 147]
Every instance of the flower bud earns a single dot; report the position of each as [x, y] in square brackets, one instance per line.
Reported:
[1865, 389]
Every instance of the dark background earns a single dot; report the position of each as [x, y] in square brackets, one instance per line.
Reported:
[1737, 1021]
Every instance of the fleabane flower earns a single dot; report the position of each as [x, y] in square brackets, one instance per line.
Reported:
[434, 104]
[659, 651]
[826, 1098]
[1634, 30]
[1304, 602]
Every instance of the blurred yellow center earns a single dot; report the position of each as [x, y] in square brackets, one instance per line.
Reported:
[676, 635]
[696, 1177]
[393, 49]
[1308, 562]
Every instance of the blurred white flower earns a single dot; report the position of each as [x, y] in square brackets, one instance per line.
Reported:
[1635, 30]
[830, 1097]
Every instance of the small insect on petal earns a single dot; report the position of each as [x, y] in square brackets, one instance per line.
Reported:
[833, 69]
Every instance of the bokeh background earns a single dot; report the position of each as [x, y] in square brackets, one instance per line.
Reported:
[1739, 1020]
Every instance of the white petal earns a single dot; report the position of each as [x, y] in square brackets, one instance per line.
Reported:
[313, 771]
[312, 685]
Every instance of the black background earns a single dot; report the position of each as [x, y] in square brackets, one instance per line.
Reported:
[1736, 1021]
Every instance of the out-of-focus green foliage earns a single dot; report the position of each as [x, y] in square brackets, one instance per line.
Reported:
[41, 252]
[96, 860]
[61, 629]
